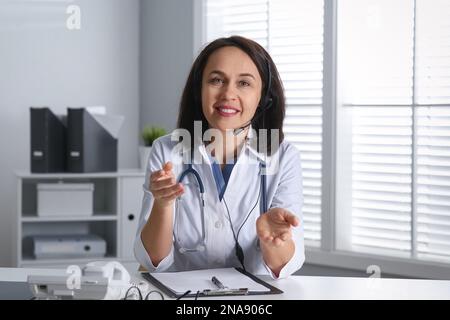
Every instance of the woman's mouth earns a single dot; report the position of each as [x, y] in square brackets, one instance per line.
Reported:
[227, 111]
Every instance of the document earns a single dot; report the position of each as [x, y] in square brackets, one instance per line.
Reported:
[200, 280]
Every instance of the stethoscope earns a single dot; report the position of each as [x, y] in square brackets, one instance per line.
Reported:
[201, 191]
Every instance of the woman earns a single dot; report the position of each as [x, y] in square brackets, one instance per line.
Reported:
[232, 212]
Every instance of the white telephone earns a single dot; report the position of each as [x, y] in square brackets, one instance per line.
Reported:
[108, 280]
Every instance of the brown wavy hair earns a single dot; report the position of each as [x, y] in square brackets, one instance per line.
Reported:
[191, 104]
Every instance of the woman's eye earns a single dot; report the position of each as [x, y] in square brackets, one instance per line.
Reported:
[216, 81]
[244, 83]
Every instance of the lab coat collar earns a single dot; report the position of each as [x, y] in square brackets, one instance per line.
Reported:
[251, 143]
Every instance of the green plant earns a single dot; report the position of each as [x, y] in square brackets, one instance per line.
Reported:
[151, 133]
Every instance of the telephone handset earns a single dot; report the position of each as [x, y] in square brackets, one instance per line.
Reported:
[108, 280]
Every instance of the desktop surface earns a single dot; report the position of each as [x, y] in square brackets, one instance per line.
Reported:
[13, 285]
[14, 290]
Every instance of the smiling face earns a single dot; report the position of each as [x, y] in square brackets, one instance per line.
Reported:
[231, 89]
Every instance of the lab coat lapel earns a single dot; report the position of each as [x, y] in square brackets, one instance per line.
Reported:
[212, 193]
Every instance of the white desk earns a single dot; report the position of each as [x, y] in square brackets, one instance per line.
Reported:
[303, 287]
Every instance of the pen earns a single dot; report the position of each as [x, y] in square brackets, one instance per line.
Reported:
[217, 283]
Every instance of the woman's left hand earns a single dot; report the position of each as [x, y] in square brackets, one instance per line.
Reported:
[274, 226]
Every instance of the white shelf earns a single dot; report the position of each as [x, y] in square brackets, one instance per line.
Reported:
[67, 175]
[117, 200]
[45, 262]
[68, 219]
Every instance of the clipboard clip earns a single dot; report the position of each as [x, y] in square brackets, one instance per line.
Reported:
[223, 290]
[226, 292]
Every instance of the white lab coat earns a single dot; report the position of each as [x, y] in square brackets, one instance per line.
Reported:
[284, 190]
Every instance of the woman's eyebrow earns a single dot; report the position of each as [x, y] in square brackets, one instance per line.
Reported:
[247, 75]
[241, 75]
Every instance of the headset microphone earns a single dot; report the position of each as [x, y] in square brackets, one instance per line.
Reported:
[255, 117]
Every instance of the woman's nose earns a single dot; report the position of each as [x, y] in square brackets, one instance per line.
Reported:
[229, 92]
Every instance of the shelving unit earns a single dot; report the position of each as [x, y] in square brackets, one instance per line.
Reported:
[117, 204]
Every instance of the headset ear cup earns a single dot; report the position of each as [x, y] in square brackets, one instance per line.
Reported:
[269, 103]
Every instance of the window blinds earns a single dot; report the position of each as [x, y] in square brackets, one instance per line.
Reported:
[292, 32]
[231, 17]
[376, 48]
[381, 178]
[433, 129]
[296, 45]
[396, 93]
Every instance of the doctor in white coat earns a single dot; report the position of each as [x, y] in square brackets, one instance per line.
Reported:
[229, 194]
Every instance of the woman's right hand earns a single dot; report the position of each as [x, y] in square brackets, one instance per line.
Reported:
[164, 187]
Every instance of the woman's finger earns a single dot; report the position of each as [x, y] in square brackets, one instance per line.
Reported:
[285, 236]
[168, 166]
[291, 219]
[164, 172]
[174, 194]
[265, 235]
[167, 191]
[162, 183]
[156, 175]
[277, 242]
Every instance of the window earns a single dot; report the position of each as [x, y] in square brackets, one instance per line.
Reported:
[392, 139]
[393, 190]
[292, 32]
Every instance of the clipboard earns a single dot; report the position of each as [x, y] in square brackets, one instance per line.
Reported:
[217, 293]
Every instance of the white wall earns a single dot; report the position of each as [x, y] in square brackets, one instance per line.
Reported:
[167, 52]
[44, 63]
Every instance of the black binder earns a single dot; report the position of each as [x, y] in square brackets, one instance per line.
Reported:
[48, 141]
[90, 147]
[168, 291]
